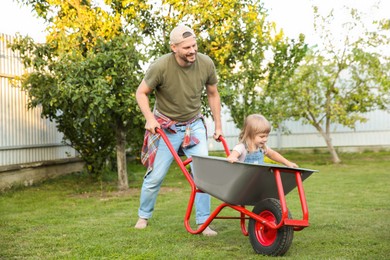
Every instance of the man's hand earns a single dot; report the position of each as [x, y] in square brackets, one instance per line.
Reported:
[217, 134]
[151, 125]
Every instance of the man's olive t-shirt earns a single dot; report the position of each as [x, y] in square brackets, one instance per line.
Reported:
[179, 89]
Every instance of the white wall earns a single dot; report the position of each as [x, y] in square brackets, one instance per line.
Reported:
[374, 133]
[24, 136]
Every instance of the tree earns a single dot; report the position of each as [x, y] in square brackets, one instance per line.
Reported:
[85, 76]
[337, 84]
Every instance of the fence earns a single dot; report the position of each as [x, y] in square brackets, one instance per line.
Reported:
[25, 137]
[372, 135]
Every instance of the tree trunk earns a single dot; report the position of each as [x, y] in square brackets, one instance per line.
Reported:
[123, 183]
[328, 140]
[332, 150]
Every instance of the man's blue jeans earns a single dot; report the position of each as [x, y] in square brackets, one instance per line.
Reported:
[152, 180]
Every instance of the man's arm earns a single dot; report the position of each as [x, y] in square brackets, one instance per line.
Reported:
[215, 106]
[143, 102]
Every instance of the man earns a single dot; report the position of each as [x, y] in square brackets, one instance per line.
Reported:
[177, 79]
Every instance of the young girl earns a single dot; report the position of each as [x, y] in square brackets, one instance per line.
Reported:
[252, 146]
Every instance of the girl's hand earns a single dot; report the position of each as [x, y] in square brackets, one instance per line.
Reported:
[292, 165]
[232, 159]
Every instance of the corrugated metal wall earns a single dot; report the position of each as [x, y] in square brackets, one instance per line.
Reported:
[24, 136]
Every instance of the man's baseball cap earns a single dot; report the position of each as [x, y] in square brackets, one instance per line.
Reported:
[180, 33]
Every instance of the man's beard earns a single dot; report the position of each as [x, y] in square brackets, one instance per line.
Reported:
[186, 59]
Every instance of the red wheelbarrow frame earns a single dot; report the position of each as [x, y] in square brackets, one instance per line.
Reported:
[297, 224]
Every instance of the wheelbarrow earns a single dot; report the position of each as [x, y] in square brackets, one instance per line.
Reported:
[237, 185]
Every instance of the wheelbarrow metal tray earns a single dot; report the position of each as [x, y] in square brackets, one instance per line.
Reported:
[242, 183]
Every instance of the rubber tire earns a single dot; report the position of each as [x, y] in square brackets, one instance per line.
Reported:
[267, 241]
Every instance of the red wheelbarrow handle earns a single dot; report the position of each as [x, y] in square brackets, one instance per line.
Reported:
[225, 145]
[194, 190]
[220, 139]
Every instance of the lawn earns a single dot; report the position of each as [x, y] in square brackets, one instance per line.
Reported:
[74, 217]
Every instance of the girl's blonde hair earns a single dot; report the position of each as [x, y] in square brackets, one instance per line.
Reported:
[254, 124]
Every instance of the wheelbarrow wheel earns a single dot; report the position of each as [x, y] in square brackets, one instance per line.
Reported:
[265, 240]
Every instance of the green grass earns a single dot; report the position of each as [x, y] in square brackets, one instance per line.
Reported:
[74, 217]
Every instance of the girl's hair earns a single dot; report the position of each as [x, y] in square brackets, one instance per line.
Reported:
[254, 124]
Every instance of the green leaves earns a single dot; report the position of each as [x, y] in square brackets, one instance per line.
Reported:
[89, 92]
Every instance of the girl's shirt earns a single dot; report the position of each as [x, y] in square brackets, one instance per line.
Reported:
[250, 157]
